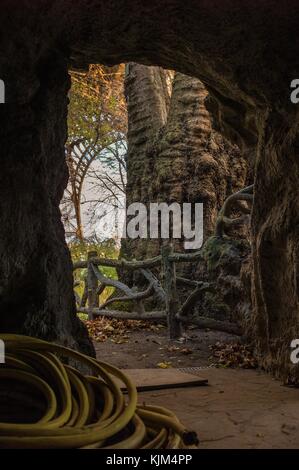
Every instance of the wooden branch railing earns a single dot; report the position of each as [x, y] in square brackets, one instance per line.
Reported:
[95, 282]
[120, 263]
[224, 221]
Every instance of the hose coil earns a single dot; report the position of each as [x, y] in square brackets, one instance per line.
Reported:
[73, 410]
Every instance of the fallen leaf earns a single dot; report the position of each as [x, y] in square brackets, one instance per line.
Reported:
[164, 365]
[173, 348]
[186, 351]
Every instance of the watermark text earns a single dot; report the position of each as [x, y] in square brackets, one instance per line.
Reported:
[295, 353]
[295, 93]
[178, 221]
[2, 92]
[2, 352]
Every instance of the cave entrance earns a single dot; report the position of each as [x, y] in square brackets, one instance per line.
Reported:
[249, 105]
[142, 136]
[246, 55]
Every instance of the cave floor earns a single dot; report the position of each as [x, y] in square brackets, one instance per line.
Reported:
[146, 348]
[239, 409]
[243, 409]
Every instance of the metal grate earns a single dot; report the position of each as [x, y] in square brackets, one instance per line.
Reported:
[194, 370]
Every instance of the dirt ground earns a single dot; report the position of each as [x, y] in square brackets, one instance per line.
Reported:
[238, 409]
[147, 348]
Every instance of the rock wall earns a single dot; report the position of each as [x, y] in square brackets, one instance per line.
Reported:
[275, 227]
[36, 285]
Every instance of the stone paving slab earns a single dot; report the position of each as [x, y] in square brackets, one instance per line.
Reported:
[238, 409]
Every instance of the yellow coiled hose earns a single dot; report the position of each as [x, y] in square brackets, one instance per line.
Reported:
[75, 410]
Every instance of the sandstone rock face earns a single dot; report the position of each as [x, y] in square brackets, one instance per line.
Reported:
[246, 53]
[36, 296]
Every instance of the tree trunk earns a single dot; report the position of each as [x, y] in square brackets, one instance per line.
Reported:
[194, 163]
[148, 99]
[174, 155]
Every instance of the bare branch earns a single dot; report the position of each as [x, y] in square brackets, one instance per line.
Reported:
[223, 220]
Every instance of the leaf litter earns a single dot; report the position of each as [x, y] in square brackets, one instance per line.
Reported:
[117, 331]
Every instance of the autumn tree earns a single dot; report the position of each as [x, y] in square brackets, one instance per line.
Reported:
[96, 132]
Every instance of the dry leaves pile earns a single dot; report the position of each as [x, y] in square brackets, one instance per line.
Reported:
[101, 329]
[234, 355]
